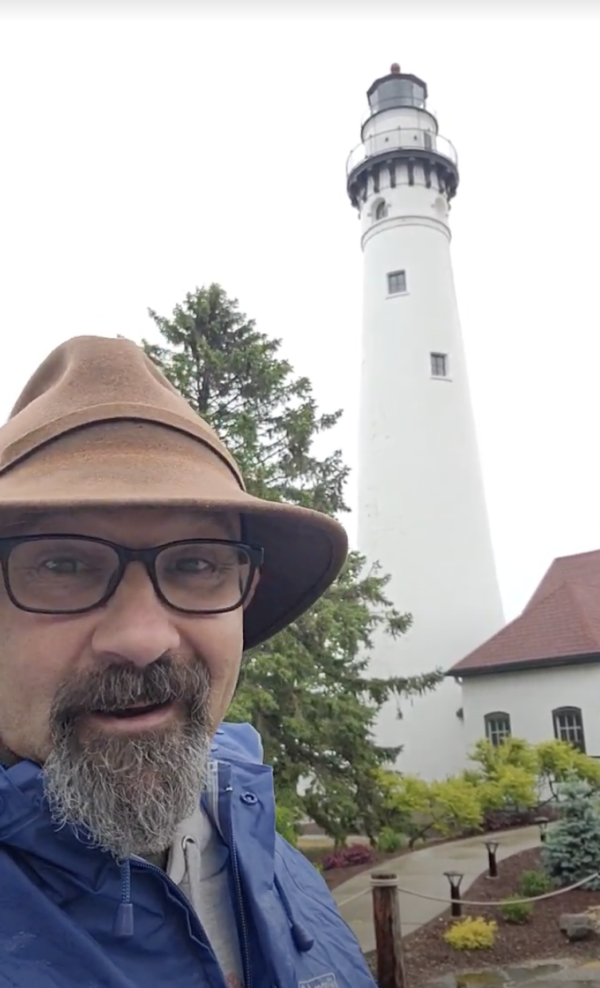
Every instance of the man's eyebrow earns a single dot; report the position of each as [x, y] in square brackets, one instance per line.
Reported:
[34, 521]
[22, 523]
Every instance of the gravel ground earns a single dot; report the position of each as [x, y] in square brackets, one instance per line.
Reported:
[428, 956]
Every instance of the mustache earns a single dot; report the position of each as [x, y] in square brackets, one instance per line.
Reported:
[166, 680]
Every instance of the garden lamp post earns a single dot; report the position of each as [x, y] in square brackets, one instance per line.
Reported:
[455, 878]
[542, 822]
[492, 849]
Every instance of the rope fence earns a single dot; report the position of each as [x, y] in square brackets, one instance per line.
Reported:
[470, 902]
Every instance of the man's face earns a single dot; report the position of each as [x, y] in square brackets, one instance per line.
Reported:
[128, 779]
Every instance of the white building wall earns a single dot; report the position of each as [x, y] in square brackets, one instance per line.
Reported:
[529, 698]
[422, 511]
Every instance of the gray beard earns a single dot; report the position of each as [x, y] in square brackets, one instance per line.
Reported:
[129, 793]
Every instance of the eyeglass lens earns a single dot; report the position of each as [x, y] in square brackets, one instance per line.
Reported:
[59, 574]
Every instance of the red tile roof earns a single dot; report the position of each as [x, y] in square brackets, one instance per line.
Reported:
[560, 622]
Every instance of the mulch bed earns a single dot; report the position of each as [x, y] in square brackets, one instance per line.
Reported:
[427, 956]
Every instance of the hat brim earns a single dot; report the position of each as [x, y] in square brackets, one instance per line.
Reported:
[128, 464]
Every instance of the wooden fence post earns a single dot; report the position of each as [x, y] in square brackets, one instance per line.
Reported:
[388, 933]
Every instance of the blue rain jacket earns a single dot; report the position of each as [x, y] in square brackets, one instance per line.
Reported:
[71, 917]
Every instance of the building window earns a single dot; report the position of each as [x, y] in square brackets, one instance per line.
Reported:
[568, 726]
[439, 364]
[497, 728]
[381, 210]
[396, 282]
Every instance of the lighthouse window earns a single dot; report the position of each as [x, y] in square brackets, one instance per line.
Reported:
[381, 210]
[396, 282]
[439, 364]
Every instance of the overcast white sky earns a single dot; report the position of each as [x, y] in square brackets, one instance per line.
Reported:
[146, 152]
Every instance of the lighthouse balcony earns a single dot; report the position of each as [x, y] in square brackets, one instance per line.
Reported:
[408, 144]
[403, 139]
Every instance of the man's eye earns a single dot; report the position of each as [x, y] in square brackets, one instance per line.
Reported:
[189, 565]
[64, 565]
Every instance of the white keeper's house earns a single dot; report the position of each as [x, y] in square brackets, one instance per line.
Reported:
[539, 677]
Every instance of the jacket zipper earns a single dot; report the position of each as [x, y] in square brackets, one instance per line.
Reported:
[146, 866]
[240, 896]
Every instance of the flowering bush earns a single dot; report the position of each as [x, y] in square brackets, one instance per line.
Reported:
[346, 857]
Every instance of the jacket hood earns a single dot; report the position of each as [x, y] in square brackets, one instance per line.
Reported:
[239, 743]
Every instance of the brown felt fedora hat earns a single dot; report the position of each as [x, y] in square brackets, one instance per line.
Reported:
[99, 425]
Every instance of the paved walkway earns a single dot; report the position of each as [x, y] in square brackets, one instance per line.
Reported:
[423, 871]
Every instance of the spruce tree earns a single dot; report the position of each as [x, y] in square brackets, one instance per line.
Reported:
[308, 690]
[572, 848]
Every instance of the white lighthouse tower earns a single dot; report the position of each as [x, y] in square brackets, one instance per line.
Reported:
[421, 503]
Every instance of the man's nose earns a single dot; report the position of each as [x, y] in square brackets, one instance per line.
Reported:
[135, 626]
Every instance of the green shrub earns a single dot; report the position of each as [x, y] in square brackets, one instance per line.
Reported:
[514, 911]
[534, 883]
[389, 841]
[455, 806]
[559, 761]
[515, 776]
[286, 824]
[471, 934]
[417, 808]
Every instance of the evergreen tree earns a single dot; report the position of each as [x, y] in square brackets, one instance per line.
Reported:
[307, 690]
[572, 848]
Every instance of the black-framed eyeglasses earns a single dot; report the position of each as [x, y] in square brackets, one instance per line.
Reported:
[72, 574]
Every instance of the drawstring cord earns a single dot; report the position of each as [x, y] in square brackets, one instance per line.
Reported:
[191, 855]
[302, 940]
[124, 916]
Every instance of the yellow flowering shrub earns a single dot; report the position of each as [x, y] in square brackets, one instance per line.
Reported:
[471, 934]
